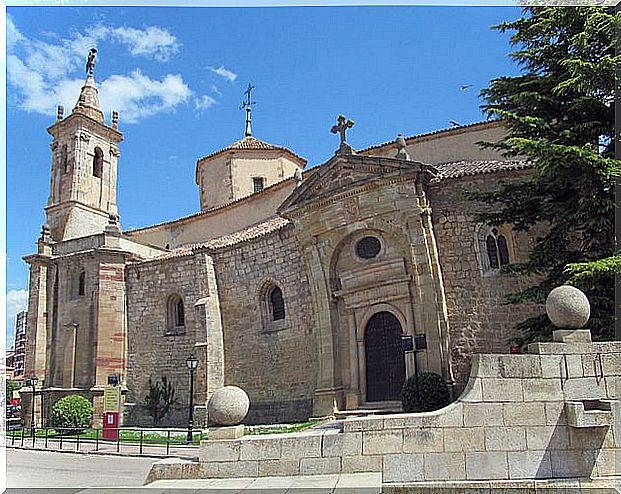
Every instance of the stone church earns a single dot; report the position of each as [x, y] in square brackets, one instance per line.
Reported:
[295, 283]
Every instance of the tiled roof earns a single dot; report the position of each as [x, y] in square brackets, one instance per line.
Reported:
[458, 169]
[249, 233]
[251, 143]
[456, 129]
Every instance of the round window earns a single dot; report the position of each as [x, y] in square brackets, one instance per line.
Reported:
[368, 247]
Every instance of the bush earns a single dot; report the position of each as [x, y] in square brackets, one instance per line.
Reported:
[72, 412]
[434, 393]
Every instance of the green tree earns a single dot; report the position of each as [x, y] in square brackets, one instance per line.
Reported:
[559, 112]
[160, 399]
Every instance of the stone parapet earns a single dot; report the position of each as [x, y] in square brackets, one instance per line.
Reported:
[511, 423]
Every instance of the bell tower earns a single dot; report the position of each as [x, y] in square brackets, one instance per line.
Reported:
[84, 166]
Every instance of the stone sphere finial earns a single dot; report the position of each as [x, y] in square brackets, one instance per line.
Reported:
[60, 111]
[402, 152]
[568, 307]
[228, 406]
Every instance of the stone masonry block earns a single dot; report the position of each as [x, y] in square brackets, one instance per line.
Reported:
[520, 366]
[607, 463]
[573, 463]
[585, 388]
[423, 440]
[445, 466]
[555, 413]
[278, 468]
[382, 442]
[542, 389]
[480, 414]
[225, 450]
[547, 437]
[450, 416]
[613, 387]
[359, 464]
[342, 444]
[363, 424]
[529, 413]
[529, 464]
[486, 465]
[551, 366]
[502, 389]
[319, 466]
[611, 364]
[403, 468]
[464, 439]
[473, 392]
[505, 438]
[231, 469]
[301, 446]
[260, 449]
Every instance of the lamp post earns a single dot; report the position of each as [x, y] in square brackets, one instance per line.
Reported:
[33, 382]
[192, 363]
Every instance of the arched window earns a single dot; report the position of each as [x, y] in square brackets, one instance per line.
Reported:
[82, 283]
[175, 315]
[277, 304]
[98, 163]
[497, 251]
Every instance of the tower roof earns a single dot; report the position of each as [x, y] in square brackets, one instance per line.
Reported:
[88, 101]
[251, 143]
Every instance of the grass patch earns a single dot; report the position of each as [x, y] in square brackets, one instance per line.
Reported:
[280, 428]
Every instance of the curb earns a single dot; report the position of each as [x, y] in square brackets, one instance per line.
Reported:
[103, 453]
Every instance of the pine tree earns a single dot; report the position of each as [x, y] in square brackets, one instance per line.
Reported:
[559, 112]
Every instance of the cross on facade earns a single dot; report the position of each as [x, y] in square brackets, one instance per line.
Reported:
[341, 127]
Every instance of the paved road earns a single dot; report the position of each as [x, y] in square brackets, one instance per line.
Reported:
[30, 468]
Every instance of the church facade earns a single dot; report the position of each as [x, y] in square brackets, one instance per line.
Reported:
[295, 283]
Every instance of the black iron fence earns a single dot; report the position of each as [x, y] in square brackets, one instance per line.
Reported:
[121, 440]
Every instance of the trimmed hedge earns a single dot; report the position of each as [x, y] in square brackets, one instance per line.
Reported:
[72, 412]
[434, 393]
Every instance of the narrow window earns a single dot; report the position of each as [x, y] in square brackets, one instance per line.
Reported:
[175, 315]
[502, 250]
[492, 254]
[82, 284]
[180, 315]
[258, 184]
[277, 304]
[98, 163]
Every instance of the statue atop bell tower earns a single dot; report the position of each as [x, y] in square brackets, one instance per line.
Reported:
[84, 165]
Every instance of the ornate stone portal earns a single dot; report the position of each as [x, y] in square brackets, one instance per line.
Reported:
[369, 248]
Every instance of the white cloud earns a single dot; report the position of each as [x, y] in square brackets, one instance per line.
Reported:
[41, 73]
[225, 73]
[151, 41]
[138, 96]
[203, 102]
[16, 301]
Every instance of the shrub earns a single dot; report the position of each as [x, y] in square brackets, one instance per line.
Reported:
[160, 399]
[434, 393]
[72, 412]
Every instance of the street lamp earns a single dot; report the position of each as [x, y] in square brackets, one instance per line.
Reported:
[192, 363]
[33, 382]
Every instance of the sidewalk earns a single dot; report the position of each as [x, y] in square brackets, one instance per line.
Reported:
[357, 483]
[90, 446]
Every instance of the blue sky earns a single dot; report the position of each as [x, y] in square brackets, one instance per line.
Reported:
[177, 75]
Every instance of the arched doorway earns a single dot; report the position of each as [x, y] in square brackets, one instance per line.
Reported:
[385, 361]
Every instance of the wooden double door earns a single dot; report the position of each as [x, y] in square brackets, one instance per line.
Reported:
[384, 356]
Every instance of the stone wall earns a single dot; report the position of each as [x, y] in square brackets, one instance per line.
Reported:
[273, 361]
[552, 414]
[478, 320]
[155, 349]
